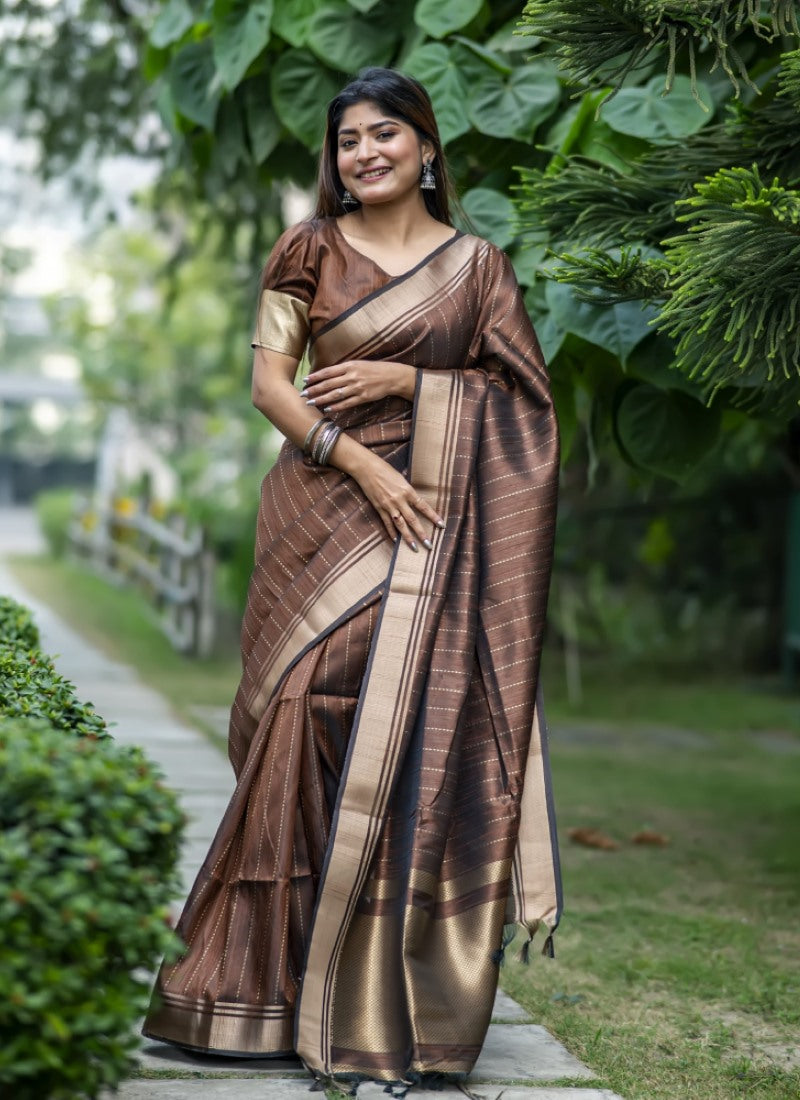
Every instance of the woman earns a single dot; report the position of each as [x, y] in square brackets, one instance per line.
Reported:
[392, 808]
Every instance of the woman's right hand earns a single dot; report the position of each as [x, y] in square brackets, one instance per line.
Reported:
[401, 509]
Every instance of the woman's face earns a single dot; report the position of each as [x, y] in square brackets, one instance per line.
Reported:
[379, 157]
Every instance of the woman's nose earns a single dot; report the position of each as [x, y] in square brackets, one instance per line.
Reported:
[365, 148]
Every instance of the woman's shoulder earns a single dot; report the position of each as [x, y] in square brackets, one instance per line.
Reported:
[490, 261]
[299, 235]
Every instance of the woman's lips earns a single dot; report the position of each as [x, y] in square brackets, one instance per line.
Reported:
[373, 174]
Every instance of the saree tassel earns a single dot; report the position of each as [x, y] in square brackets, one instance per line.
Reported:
[499, 956]
[548, 950]
[525, 950]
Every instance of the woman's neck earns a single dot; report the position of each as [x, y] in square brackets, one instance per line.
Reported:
[398, 222]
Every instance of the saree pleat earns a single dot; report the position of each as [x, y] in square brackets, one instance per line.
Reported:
[245, 924]
[392, 809]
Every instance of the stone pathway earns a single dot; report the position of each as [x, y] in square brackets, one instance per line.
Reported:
[516, 1048]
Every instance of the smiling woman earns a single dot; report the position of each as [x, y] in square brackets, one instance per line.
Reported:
[392, 812]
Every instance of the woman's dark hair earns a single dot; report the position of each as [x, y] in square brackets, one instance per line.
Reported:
[398, 96]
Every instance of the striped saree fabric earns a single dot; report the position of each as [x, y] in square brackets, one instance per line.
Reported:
[392, 811]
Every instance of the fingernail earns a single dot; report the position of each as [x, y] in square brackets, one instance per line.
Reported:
[310, 401]
[327, 408]
[427, 544]
[440, 523]
[414, 547]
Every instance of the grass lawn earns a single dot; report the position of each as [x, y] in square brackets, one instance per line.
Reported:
[677, 973]
[678, 968]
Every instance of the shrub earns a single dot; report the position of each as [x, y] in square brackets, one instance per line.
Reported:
[17, 627]
[30, 687]
[55, 510]
[89, 839]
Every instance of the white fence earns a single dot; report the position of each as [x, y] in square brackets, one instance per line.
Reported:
[169, 563]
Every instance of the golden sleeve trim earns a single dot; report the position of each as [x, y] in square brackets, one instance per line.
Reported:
[282, 324]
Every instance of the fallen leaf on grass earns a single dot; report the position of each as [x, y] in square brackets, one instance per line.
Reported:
[567, 998]
[649, 836]
[592, 838]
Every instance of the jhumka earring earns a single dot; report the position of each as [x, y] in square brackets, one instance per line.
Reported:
[348, 200]
[428, 180]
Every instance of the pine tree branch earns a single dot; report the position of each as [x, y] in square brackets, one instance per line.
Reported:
[601, 41]
[605, 278]
[578, 199]
[737, 323]
[596, 204]
[790, 78]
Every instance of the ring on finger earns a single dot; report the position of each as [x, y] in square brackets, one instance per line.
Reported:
[340, 391]
[397, 519]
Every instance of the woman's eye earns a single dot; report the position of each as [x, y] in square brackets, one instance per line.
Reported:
[386, 134]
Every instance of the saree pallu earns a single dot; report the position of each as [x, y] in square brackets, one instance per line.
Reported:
[392, 811]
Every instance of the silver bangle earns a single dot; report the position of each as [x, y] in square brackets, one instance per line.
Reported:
[322, 450]
[330, 444]
[324, 442]
[312, 431]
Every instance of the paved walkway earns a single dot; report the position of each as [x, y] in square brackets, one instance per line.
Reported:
[516, 1050]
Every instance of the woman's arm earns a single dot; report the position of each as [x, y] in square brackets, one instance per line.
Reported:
[401, 509]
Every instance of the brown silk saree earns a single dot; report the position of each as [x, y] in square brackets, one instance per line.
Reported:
[392, 811]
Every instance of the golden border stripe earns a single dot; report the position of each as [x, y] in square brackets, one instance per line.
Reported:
[356, 575]
[535, 872]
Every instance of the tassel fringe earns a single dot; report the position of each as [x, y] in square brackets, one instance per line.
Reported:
[548, 949]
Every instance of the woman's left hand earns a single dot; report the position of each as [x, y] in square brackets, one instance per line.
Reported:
[356, 382]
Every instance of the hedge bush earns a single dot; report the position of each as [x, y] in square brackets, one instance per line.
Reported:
[17, 627]
[55, 510]
[89, 840]
[30, 687]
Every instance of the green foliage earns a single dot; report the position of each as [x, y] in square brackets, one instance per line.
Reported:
[17, 628]
[89, 840]
[664, 431]
[610, 40]
[54, 511]
[30, 687]
[618, 329]
[645, 112]
[724, 292]
[736, 282]
[790, 78]
[628, 276]
[513, 105]
[240, 32]
[441, 17]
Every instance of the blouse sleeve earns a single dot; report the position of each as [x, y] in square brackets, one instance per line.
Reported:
[288, 285]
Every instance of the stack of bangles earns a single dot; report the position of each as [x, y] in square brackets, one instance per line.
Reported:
[320, 440]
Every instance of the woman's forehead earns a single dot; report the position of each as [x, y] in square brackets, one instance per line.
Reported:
[365, 114]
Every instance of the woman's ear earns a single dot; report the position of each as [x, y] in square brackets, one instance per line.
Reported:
[428, 151]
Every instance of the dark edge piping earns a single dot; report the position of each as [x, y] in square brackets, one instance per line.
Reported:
[551, 809]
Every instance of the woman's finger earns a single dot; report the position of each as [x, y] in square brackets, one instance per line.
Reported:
[322, 374]
[426, 510]
[387, 523]
[406, 528]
